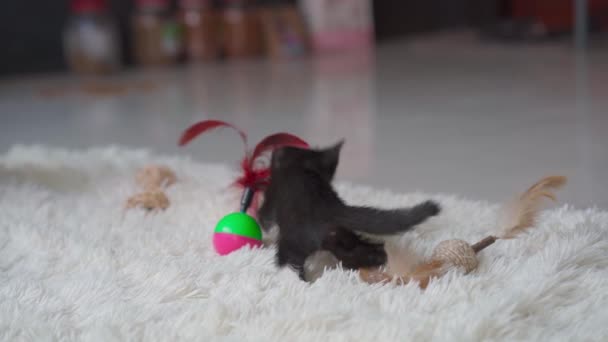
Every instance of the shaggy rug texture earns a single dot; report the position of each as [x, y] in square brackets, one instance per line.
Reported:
[76, 266]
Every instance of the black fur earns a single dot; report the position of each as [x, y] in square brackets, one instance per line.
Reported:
[311, 216]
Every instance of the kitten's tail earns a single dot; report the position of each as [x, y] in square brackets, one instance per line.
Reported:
[385, 222]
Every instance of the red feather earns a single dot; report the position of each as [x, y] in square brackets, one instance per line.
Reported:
[204, 126]
[253, 177]
[274, 141]
[258, 178]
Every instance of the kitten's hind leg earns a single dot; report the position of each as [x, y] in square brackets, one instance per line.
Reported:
[363, 255]
[353, 251]
[289, 254]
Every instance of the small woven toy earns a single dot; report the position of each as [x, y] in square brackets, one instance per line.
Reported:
[239, 229]
[153, 179]
[460, 254]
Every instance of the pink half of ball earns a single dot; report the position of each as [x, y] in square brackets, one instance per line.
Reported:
[225, 243]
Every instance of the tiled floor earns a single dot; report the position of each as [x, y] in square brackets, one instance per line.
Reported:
[444, 114]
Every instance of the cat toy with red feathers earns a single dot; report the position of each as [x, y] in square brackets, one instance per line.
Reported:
[239, 229]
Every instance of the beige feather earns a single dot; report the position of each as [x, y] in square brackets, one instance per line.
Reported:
[523, 211]
[400, 259]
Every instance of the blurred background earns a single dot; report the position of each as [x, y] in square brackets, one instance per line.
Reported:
[472, 97]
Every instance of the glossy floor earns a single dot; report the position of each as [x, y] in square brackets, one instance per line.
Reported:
[445, 113]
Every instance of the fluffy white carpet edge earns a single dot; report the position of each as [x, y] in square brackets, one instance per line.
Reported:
[75, 266]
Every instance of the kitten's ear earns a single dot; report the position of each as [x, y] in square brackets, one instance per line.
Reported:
[331, 157]
[334, 151]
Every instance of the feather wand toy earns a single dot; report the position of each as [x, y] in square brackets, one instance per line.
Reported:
[239, 229]
[450, 254]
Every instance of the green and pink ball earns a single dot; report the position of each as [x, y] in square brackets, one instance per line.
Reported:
[235, 231]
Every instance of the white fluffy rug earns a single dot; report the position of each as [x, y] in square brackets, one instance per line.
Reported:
[75, 266]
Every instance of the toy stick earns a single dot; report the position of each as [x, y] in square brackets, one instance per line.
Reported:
[481, 245]
[246, 199]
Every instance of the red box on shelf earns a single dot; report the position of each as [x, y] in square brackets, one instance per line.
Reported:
[558, 15]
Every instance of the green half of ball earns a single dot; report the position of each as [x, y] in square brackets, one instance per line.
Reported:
[239, 224]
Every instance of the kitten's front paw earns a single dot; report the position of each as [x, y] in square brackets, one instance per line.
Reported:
[429, 208]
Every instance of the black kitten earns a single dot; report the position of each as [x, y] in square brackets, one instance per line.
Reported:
[311, 216]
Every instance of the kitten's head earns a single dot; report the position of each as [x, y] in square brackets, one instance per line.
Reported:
[321, 161]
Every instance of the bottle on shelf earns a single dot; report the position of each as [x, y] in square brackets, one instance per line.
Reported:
[91, 40]
[156, 34]
[284, 29]
[241, 29]
[339, 26]
[201, 23]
